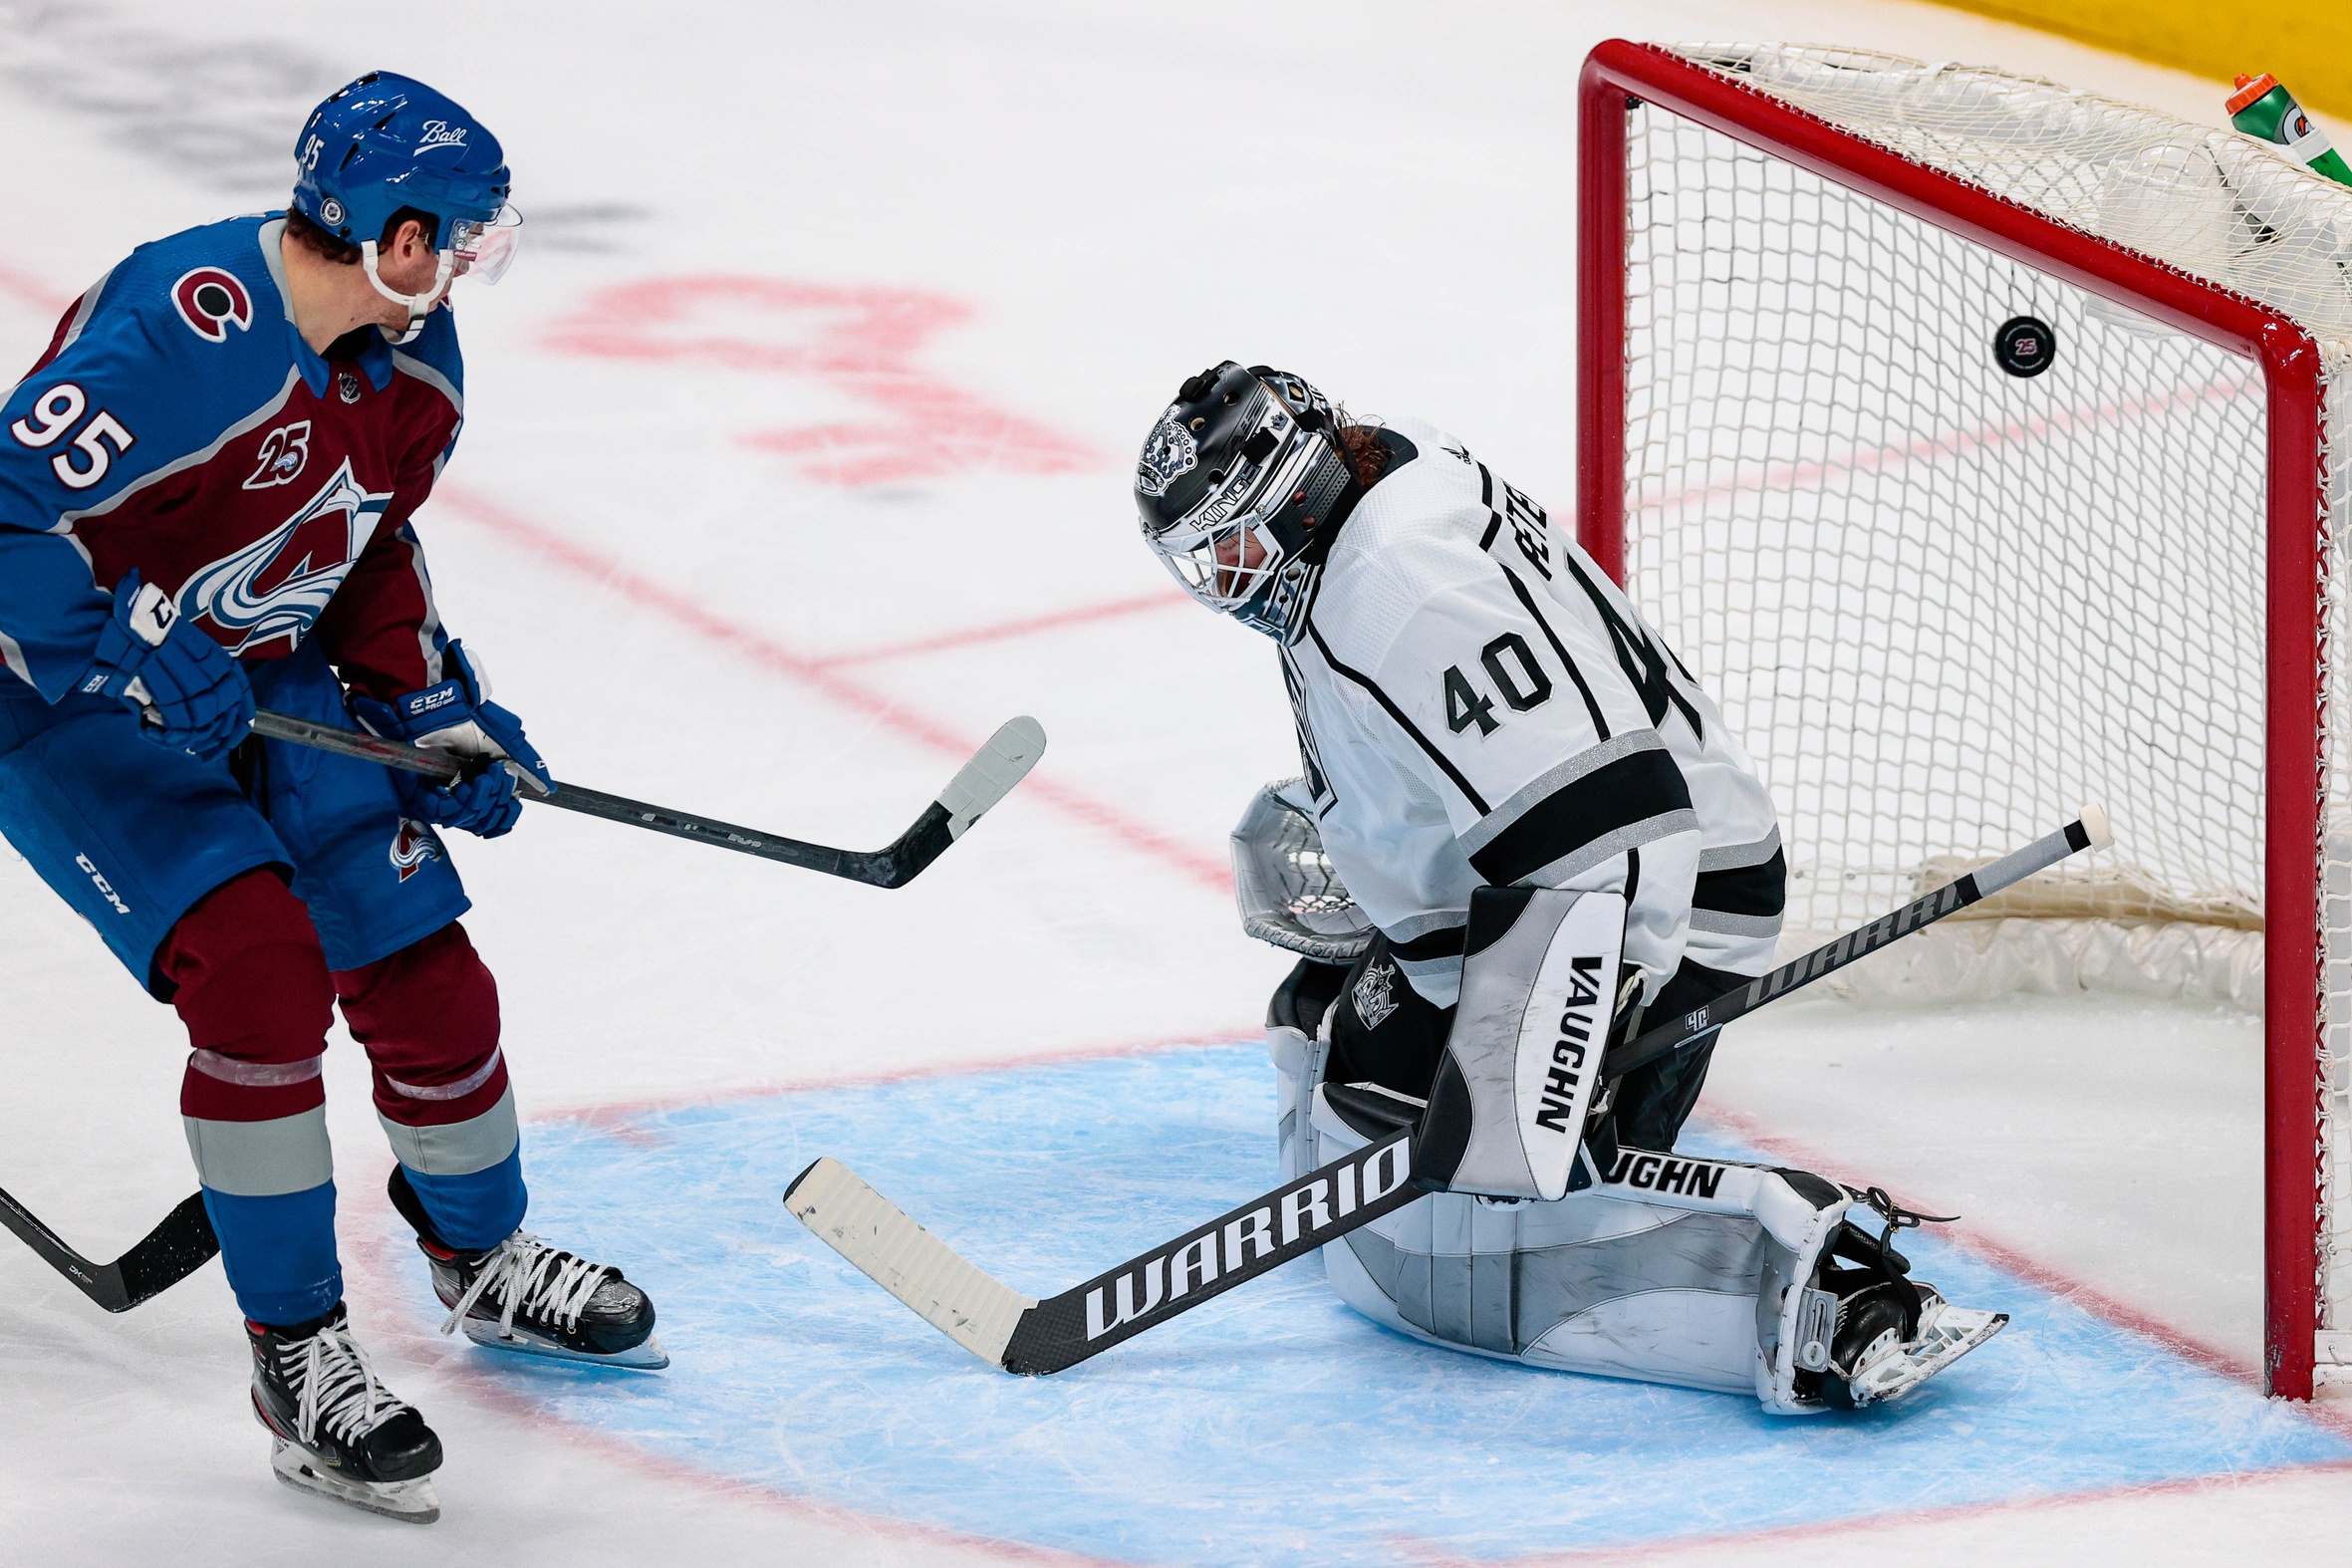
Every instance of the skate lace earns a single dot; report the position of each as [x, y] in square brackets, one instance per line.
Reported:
[533, 1280]
[337, 1387]
[1896, 1218]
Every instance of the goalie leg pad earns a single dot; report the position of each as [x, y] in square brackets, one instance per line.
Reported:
[1701, 1273]
[1668, 1270]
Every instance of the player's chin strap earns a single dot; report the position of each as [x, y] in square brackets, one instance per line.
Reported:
[419, 306]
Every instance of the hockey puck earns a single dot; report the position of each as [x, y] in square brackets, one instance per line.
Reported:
[2024, 346]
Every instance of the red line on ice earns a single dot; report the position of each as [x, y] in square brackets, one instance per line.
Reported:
[31, 292]
[2010, 1260]
[614, 1116]
[1030, 626]
[759, 649]
[1435, 1556]
[1762, 477]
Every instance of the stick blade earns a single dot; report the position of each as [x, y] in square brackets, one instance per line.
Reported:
[167, 1254]
[904, 1259]
[992, 773]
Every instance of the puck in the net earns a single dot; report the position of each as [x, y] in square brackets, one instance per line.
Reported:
[2024, 346]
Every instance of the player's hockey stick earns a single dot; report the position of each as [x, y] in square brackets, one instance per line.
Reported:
[184, 1241]
[163, 1257]
[1023, 1334]
[980, 784]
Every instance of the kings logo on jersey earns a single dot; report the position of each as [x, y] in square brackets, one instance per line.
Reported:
[277, 586]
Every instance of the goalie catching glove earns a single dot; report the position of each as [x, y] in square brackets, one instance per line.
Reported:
[456, 715]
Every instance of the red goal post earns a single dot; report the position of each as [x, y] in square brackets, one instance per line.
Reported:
[1626, 88]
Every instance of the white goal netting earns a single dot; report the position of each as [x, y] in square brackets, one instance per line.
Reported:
[1945, 604]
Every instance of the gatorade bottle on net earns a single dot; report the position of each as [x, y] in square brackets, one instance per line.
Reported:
[2269, 112]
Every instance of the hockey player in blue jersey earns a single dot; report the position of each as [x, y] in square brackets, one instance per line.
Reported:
[206, 501]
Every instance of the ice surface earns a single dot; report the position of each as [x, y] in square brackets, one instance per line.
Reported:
[1273, 1426]
[1010, 227]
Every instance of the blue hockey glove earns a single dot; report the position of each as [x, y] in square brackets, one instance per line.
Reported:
[457, 717]
[191, 693]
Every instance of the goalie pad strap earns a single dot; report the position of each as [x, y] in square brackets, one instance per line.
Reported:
[1514, 1088]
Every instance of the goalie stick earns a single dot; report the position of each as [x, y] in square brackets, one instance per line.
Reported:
[1023, 1334]
[164, 1257]
[978, 785]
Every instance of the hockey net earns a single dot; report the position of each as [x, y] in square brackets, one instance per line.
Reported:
[1945, 604]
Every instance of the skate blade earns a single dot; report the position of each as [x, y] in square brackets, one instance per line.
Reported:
[649, 1357]
[412, 1502]
[1950, 1334]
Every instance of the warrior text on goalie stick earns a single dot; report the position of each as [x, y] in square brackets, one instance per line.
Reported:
[1024, 1335]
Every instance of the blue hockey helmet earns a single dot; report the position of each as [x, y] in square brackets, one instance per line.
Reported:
[388, 141]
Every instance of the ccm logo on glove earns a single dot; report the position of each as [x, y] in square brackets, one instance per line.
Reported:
[425, 701]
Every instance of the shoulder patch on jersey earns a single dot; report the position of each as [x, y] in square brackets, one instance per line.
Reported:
[209, 299]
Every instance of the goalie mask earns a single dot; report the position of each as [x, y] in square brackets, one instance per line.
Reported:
[1232, 484]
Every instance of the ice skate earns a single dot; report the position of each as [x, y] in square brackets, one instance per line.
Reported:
[1876, 1334]
[527, 1297]
[1873, 1361]
[339, 1432]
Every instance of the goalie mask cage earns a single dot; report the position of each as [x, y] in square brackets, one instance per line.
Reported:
[1944, 598]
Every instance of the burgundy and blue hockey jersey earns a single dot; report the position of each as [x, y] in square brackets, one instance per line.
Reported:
[179, 424]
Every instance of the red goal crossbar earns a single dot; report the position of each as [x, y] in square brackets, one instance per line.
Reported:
[1617, 77]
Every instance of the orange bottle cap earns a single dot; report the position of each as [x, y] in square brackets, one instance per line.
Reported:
[2250, 89]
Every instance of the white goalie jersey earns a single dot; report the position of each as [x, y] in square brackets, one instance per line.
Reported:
[1478, 703]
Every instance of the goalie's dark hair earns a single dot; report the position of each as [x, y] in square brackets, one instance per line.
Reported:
[1359, 447]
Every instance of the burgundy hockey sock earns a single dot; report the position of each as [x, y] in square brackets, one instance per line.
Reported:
[429, 1016]
[250, 983]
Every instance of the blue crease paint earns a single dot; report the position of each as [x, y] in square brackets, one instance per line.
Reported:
[1273, 1426]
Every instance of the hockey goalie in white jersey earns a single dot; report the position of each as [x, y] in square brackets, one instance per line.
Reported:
[1516, 805]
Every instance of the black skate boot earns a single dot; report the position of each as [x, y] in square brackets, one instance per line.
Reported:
[1891, 1332]
[525, 1296]
[340, 1432]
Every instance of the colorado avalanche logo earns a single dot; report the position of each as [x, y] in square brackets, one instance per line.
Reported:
[276, 586]
[209, 300]
[1168, 456]
[412, 846]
